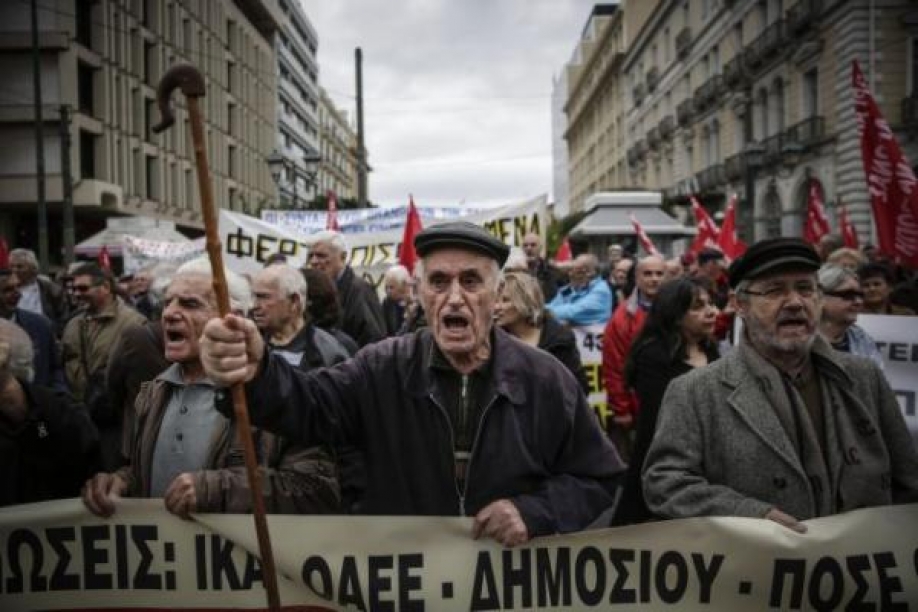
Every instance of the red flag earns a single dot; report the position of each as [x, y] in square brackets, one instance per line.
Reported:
[4, 254]
[331, 220]
[728, 241]
[407, 256]
[105, 262]
[564, 252]
[817, 224]
[645, 240]
[708, 232]
[849, 234]
[890, 180]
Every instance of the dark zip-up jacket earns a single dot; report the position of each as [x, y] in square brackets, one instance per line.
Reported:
[539, 443]
[561, 342]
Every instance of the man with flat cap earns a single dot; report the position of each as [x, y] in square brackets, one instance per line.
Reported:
[455, 419]
[784, 427]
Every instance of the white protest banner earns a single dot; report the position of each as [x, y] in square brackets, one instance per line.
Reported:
[56, 556]
[589, 343]
[361, 220]
[138, 253]
[897, 339]
[248, 242]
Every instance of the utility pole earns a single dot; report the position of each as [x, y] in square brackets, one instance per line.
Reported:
[42, 210]
[361, 149]
[67, 186]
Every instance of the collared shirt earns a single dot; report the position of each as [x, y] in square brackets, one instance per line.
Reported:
[188, 427]
[30, 298]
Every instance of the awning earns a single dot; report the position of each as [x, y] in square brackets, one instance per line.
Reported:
[615, 220]
[112, 236]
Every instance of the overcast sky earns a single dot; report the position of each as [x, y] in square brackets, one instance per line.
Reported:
[457, 92]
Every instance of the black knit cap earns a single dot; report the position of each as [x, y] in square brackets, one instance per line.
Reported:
[773, 255]
[461, 235]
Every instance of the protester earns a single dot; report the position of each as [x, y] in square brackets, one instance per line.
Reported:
[47, 368]
[847, 258]
[828, 244]
[783, 427]
[549, 277]
[39, 295]
[677, 337]
[520, 311]
[843, 300]
[48, 445]
[673, 269]
[186, 452]
[397, 283]
[324, 307]
[539, 465]
[711, 265]
[143, 300]
[618, 281]
[362, 316]
[586, 300]
[878, 281]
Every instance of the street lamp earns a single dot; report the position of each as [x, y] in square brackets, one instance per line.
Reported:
[280, 165]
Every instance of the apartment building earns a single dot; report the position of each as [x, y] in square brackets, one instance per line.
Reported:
[102, 60]
[338, 145]
[754, 97]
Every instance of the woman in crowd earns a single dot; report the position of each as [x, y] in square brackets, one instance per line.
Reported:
[878, 281]
[677, 336]
[520, 311]
[843, 300]
[325, 308]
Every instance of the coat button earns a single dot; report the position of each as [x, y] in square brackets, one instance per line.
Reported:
[780, 482]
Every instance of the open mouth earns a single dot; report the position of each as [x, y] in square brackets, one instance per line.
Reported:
[174, 336]
[793, 323]
[455, 323]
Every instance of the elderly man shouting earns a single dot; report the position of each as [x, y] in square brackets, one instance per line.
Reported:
[455, 419]
[783, 427]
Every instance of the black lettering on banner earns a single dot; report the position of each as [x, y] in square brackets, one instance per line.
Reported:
[221, 554]
[826, 567]
[385, 252]
[594, 377]
[363, 252]
[898, 351]
[93, 556]
[252, 572]
[619, 594]
[264, 247]
[645, 564]
[667, 560]
[553, 584]
[378, 583]
[316, 565]
[590, 555]
[287, 247]
[796, 569]
[143, 577]
[907, 400]
[349, 591]
[18, 539]
[498, 228]
[121, 557]
[408, 582]
[484, 586]
[706, 574]
[238, 244]
[517, 577]
[592, 342]
[200, 557]
[61, 580]
[857, 565]
[889, 585]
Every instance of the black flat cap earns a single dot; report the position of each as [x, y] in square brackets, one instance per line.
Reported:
[773, 255]
[461, 235]
[709, 254]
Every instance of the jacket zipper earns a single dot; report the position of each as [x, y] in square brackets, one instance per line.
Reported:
[468, 467]
[452, 452]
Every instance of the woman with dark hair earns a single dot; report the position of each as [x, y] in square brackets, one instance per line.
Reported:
[324, 307]
[520, 311]
[677, 336]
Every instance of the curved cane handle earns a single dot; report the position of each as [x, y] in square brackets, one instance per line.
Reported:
[184, 76]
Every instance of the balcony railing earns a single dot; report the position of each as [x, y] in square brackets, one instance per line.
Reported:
[806, 133]
[653, 77]
[803, 15]
[766, 44]
[910, 111]
[667, 126]
[708, 92]
[685, 111]
[639, 92]
[653, 138]
[683, 41]
[735, 167]
[735, 71]
[771, 149]
[711, 177]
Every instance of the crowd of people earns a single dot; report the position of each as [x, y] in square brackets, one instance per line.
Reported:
[462, 391]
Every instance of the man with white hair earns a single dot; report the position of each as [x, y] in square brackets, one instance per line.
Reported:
[39, 295]
[48, 445]
[587, 300]
[186, 452]
[362, 314]
[397, 282]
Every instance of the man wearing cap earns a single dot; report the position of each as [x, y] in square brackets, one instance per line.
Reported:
[455, 419]
[783, 427]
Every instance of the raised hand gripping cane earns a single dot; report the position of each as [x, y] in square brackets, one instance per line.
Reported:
[191, 82]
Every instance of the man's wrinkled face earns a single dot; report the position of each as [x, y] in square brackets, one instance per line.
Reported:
[458, 292]
[396, 290]
[140, 284]
[620, 272]
[91, 293]
[531, 247]
[189, 304]
[9, 293]
[649, 277]
[23, 270]
[579, 274]
[273, 309]
[324, 258]
[781, 313]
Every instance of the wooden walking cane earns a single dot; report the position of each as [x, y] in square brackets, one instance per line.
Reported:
[191, 82]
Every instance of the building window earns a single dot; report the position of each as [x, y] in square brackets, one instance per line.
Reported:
[811, 93]
[763, 114]
[772, 215]
[231, 161]
[85, 83]
[151, 190]
[87, 155]
[148, 119]
[779, 106]
[149, 57]
[84, 23]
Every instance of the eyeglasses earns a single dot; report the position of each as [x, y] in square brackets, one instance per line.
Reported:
[849, 296]
[775, 293]
[82, 288]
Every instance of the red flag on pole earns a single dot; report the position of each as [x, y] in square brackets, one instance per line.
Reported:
[644, 239]
[728, 241]
[708, 232]
[331, 219]
[564, 252]
[4, 254]
[817, 223]
[848, 232]
[105, 262]
[407, 256]
[890, 180]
